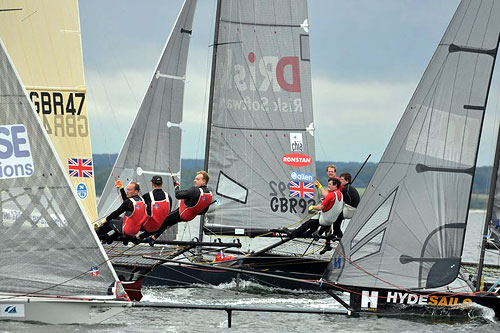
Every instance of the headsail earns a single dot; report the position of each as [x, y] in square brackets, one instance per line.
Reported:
[48, 246]
[408, 231]
[43, 39]
[260, 141]
[153, 144]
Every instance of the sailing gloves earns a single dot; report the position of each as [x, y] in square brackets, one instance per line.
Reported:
[318, 185]
[119, 184]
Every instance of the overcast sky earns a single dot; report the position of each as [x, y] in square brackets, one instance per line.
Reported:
[366, 56]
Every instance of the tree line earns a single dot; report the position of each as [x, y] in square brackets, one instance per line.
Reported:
[103, 164]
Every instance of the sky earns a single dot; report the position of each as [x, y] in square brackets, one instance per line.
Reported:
[366, 60]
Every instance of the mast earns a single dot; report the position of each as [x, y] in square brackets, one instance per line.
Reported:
[210, 102]
[489, 211]
[494, 176]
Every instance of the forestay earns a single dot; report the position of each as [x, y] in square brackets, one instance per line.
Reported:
[153, 144]
[260, 140]
[408, 230]
[47, 244]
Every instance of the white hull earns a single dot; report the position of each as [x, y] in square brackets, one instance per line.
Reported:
[59, 311]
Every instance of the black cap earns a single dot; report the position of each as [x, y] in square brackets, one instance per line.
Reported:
[157, 180]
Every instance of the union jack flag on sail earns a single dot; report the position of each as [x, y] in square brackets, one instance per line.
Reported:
[80, 167]
[301, 189]
[94, 271]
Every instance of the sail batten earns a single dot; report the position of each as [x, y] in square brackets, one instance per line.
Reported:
[415, 239]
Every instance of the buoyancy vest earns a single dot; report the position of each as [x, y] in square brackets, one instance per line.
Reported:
[189, 213]
[132, 224]
[328, 217]
[159, 212]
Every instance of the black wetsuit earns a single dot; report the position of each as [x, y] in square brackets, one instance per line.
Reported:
[351, 197]
[114, 221]
[190, 197]
[159, 195]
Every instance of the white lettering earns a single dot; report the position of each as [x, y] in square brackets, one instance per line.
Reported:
[369, 300]
[391, 297]
[422, 300]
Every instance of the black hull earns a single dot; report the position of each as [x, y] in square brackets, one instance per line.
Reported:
[399, 302]
[174, 275]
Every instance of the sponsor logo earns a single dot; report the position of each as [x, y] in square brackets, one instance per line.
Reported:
[7, 310]
[308, 177]
[80, 167]
[296, 143]
[296, 160]
[270, 75]
[81, 190]
[301, 190]
[369, 299]
[15, 153]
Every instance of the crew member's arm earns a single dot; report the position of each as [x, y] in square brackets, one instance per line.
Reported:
[119, 185]
[147, 201]
[122, 209]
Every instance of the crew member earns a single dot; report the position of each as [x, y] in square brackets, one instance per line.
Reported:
[134, 210]
[193, 201]
[351, 201]
[158, 204]
[331, 208]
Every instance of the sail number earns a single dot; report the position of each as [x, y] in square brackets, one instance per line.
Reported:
[281, 201]
[61, 112]
[56, 103]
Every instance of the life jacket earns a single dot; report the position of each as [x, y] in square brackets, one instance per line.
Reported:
[132, 224]
[189, 213]
[159, 212]
[328, 217]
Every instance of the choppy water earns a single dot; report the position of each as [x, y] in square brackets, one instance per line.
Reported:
[172, 320]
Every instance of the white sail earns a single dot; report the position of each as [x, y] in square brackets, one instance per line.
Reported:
[43, 39]
[408, 230]
[48, 246]
[153, 144]
[260, 144]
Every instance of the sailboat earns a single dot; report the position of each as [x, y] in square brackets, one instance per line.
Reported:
[260, 151]
[54, 79]
[402, 251]
[53, 268]
[153, 143]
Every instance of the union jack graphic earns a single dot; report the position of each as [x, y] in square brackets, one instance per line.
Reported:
[94, 271]
[301, 189]
[80, 167]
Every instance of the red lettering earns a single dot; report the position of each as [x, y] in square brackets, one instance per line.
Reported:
[294, 86]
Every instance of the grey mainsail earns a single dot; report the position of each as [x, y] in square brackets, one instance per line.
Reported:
[47, 243]
[260, 144]
[408, 231]
[153, 144]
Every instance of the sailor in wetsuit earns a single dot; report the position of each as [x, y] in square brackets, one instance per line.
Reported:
[134, 208]
[158, 204]
[193, 201]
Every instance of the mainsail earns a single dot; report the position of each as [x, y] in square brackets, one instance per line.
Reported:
[260, 144]
[408, 231]
[153, 144]
[47, 244]
[43, 39]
